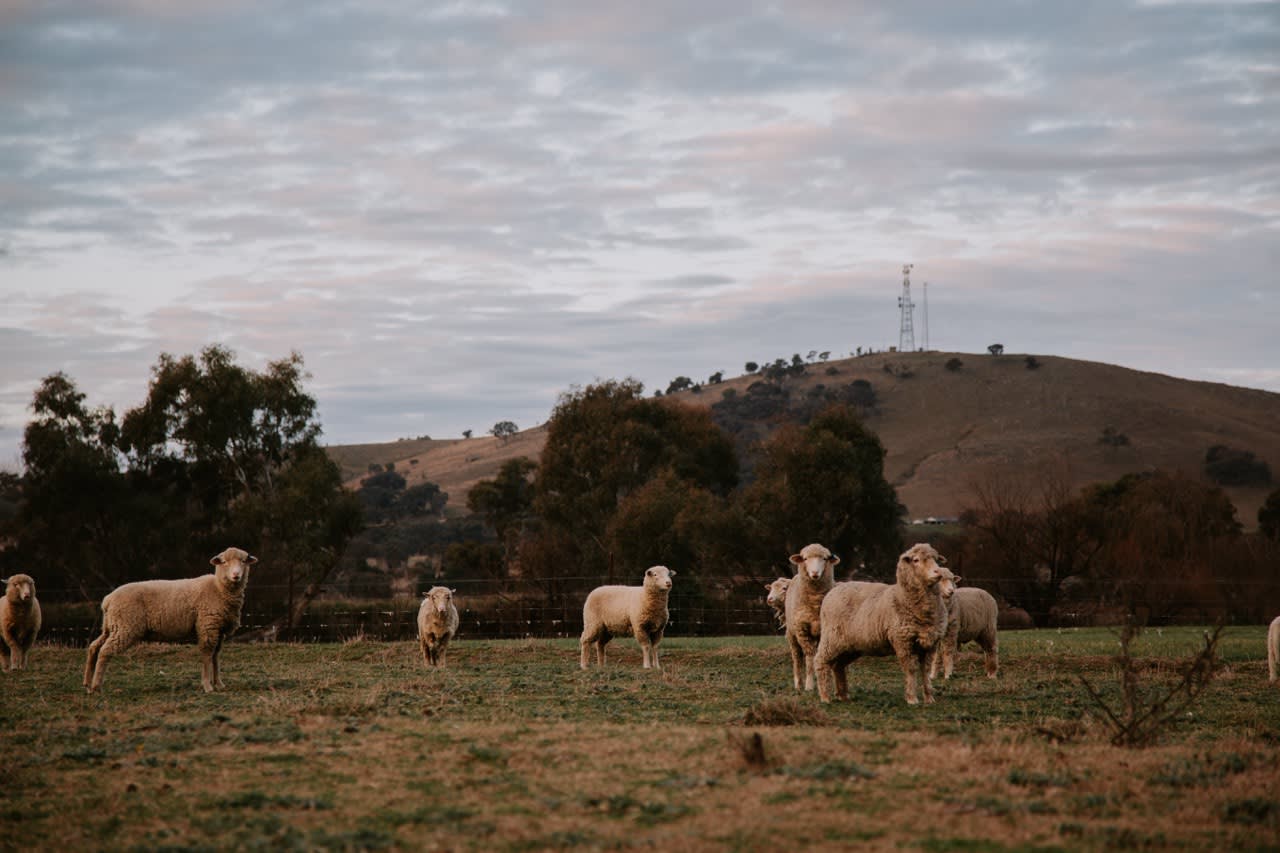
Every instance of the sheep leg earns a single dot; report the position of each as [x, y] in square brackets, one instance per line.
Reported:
[949, 651]
[923, 659]
[841, 668]
[91, 659]
[207, 653]
[656, 640]
[440, 655]
[992, 657]
[600, 656]
[426, 656]
[797, 659]
[907, 661]
[115, 643]
[809, 649]
[217, 665]
[4, 661]
[646, 647]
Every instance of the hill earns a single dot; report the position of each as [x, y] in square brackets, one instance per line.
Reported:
[943, 428]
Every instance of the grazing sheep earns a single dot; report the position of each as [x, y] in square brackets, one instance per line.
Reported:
[1273, 648]
[19, 620]
[907, 619]
[814, 577]
[611, 611]
[971, 616]
[206, 609]
[437, 623]
[777, 598]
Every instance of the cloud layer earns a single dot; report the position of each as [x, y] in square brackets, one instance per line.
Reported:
[457, 211]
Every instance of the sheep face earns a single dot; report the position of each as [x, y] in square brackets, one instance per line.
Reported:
[922, 565]
[947, 586]
[232, 566]
[814, 560]
[777, 592]
[658, 577]
[20, 589]
[441, 597]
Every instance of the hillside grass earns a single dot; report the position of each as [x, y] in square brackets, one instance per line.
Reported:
[357, 746]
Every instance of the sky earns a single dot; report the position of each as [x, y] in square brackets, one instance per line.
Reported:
[456, 212]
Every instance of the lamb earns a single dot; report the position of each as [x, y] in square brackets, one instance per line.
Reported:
[437, 624]
[19, 620]
[971, 615]
[205, 608]
[1273, 648]
[907, 619]
[777, 598]
[814, 577]
[610, 611]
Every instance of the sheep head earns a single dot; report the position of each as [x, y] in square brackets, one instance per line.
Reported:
[658, 577]
[947, 586]
[441, 597]
[777, 591]
[20, 589]
[815, 561]
[232, 566]
[921, 566]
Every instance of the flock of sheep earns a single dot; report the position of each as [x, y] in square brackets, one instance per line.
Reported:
[921, 619]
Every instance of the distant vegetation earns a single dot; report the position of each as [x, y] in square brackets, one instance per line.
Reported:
[722, 491]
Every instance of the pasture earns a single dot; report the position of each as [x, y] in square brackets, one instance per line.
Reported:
[357, 746]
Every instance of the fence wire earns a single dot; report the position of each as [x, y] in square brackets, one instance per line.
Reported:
[490, 609]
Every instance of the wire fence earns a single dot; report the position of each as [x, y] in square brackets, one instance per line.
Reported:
[490, 609]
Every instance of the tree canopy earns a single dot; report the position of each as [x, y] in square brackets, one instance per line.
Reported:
[217, 454]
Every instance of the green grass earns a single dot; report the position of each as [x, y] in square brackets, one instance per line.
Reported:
[356, 746]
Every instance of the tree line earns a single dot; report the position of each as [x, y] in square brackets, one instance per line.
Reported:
[218, 454]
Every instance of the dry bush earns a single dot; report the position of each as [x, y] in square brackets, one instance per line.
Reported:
[1144, 714]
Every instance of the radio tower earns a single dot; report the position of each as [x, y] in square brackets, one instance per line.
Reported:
[906, 334]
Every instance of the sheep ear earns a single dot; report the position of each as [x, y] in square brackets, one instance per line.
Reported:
[956, 579]
[769, 587]
[671, 572]
[453, 592]
[835, 561]
[252, 559]
[796, 558]
[216, 561]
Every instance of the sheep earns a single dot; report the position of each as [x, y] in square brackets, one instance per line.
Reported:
[777, 598]
[907, 619]
[205, 608]
[19, 620]
[1273, 648]
[971, 615]
[814, 576]
[610, 611]
[437, 624]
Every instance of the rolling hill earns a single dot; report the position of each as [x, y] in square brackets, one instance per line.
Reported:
[944, 427]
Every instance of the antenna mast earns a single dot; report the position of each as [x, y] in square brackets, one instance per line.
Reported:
[926, 316]
[906, 334]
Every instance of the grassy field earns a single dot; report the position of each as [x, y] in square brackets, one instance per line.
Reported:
[356, 746]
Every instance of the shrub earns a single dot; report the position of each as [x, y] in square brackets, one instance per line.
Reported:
[1227, 466]
[954, 364]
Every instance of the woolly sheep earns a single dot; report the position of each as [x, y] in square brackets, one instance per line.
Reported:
[777, 598]
[611, 611]
[1273, 648]
[205, 608]
[971, 616]
[19, 620]
[907, 619]
[437, 623]
[814, 577]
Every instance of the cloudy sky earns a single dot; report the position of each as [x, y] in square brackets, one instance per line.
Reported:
[457, 211]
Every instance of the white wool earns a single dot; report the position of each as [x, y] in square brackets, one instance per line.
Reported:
[613, 611]
[205, 609]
